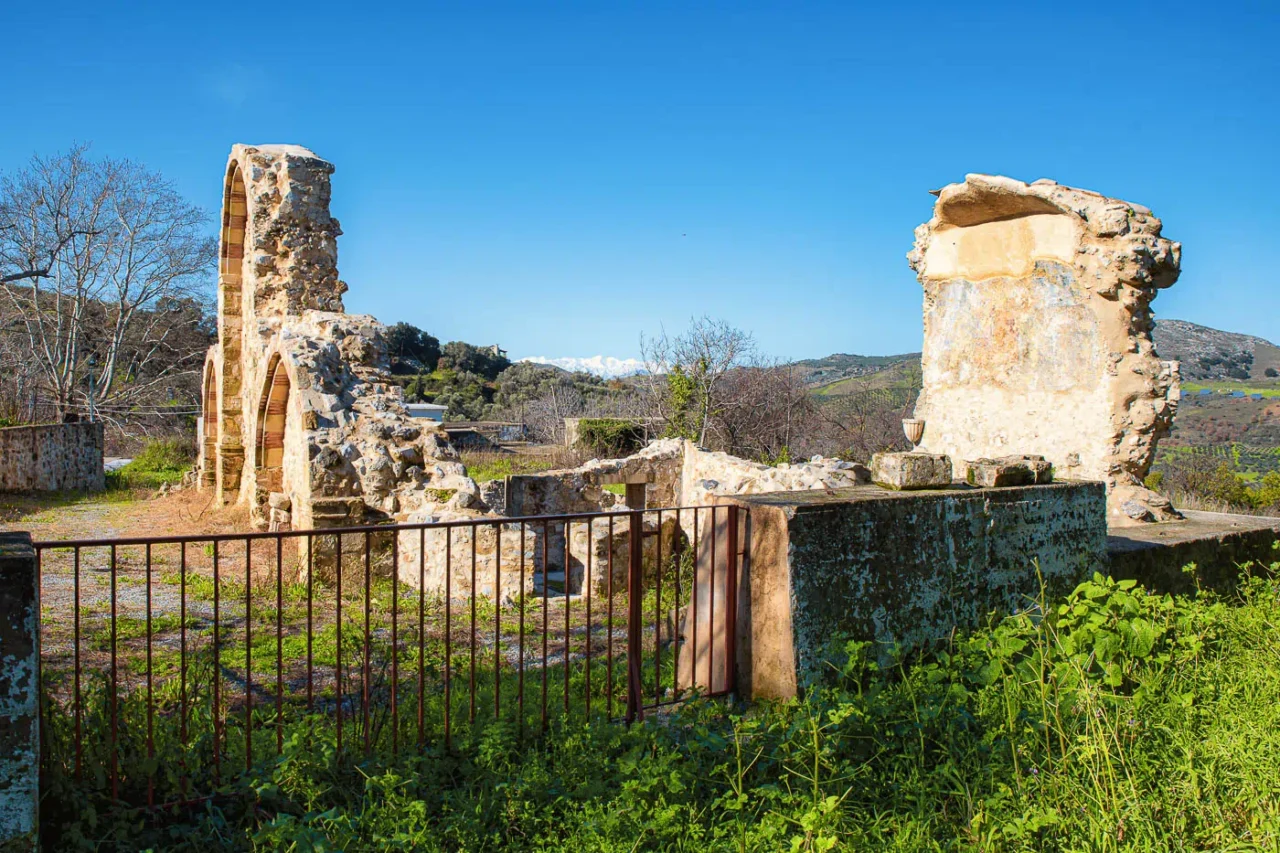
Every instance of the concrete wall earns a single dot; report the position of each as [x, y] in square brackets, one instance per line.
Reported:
[52, 458]
[19, 693]
[895, 568]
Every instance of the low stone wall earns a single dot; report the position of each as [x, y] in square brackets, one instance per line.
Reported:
[892, 568]
[52, 458]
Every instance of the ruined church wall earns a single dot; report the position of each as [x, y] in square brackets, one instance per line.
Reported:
[1037, 333]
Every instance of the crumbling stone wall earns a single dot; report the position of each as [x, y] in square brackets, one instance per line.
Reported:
[303, 422]
[52, 458]
[674, 473]
[1037, 333]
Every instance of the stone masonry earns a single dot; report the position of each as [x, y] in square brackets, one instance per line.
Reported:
[301, 419]
[52, 458]
[1037, 334]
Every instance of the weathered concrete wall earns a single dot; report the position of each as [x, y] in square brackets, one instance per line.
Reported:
[893, 568]
[1037, 333]
[1218, 544]
[19, 693]
[52, 458]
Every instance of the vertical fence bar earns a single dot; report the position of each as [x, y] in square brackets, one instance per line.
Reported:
[76, 701]
[151, 742]
[497, 621]
[546, 622]
[657, 616]
[520, 664]
[568, 532]
[693, 656]
[731, 601]
[471, 707]
[395, 641]
[589, 593]
[279, 645]
[115, 782]
[217, 672]
[182, 664]
[364, 672]
[608, 695]
[248, 654]
[711, 611]
[311, 580]
[337, 628]
[448, 631]
[635, 648]
[422, 633]
[677, 558]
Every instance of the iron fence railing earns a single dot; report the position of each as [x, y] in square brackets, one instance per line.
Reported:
[170, 664]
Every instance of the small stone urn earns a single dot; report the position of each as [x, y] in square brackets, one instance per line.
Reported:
[913, 428]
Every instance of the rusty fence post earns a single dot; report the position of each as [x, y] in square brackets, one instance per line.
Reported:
[731, 602]
[635, 628]
[19, 693]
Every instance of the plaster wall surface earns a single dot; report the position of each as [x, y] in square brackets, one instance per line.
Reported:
[52, 458]
[1037, 333]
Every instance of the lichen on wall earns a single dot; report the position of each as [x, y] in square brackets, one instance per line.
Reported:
[1037, 333]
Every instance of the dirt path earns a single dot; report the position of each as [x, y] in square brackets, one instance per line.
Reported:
[119, 514]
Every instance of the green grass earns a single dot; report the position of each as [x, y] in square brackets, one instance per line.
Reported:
[484, 466]
[1114, 719]
[161, 461]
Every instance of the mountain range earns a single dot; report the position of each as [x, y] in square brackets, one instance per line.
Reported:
[1204, 353]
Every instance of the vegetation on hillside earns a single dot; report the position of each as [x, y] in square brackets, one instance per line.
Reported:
[1113, 720]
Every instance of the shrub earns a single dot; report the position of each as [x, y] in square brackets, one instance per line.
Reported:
[162, 460]
[610, 437]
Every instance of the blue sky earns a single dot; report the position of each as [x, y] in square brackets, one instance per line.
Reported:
[559, 177]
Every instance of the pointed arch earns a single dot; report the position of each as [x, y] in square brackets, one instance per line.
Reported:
[235, 219]
[273, 421]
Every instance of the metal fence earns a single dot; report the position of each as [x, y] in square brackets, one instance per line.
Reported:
[171, 664]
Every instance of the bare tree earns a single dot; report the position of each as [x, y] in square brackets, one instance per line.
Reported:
[686, 373]
[105, 274]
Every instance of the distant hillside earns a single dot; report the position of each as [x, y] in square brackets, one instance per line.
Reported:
[822, 371]
[1212, 354]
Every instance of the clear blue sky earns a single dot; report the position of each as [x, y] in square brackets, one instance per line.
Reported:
[558, 177]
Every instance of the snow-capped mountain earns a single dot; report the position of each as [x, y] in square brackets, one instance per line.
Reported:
[601, 365]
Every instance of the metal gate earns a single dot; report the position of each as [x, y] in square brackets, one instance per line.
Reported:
[171, 664]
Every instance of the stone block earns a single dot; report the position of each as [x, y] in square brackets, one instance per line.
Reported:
[905, 471]
[1009, 471]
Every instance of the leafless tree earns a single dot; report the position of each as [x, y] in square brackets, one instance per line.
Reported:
[105, 274]
[686, 372]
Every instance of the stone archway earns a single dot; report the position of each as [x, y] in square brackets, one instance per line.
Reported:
[273, 422]
[235, 219]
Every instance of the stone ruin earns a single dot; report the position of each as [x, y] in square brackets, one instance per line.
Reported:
[1037, 334]
[1037, 341]
[301, 420]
